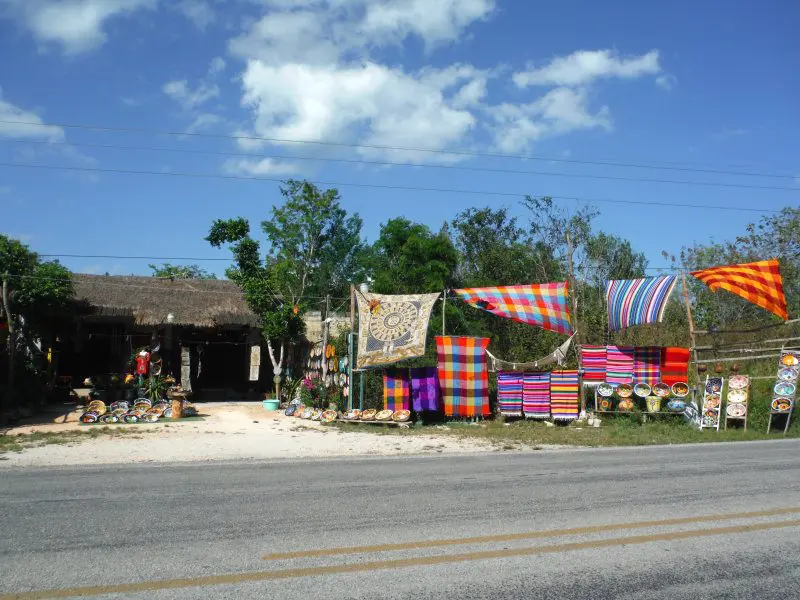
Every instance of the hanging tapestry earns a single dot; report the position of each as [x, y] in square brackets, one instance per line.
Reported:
[757, 282]
[396, 389]
[425, 394]
[540, 304]
[647, 365]
[637, 301]
[463, 376]
[674, 365]
[536, 395]
[619, 365]
[564, 403]
[509, 393]
[593, 363]
[392, 328]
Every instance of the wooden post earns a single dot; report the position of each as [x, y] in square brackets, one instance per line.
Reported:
[444, 306]
[352, 307]
[325, 336]
[574, 296]
[691, 320]
[186, 368]
[11, 344]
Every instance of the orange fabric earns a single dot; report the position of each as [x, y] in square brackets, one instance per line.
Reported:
[757, 282]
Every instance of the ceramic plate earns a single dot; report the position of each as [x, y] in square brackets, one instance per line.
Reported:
[401, 415]
[712, 401]
[676, 406]
[354, 414]
[316, 415]
[661, 389]
[605, 390]
[605, 404]
[714, 384]
[787, 374]
[624, 390]
[642, 390]
[781, 404]
[738, 382]
[737, 396]
[680, 389]
[131, 418]
[369, 414]
[307, 413]
[736, 410]
[784, 388]
[329, 416]
[89, 417]
[384, 415]
[790, 360]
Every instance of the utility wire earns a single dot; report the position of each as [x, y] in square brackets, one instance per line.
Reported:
[386, 147]
[388, 187]
[385, 163]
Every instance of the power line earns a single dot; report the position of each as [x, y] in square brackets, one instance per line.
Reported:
[385, 163]
[387, 147]
[116, 257]
[387, 187]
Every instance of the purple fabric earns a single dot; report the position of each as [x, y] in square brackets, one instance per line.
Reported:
[425, 393]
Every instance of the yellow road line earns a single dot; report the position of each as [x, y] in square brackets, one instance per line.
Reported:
[424, 561]
[529, 535]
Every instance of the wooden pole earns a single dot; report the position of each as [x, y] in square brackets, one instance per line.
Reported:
[352, 307]
[11, 344]
[444, 306]
[574, 296]
[691, 320]
[325, 335]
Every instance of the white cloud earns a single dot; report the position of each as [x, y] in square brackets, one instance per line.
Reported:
[38, 131]
[198, 12]
[216, 66]
[76, 25]
[203, 121]
[666, 82]
[584, 66]
[181, 92]
[258, 167]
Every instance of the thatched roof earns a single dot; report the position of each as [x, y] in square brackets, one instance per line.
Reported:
[148, 300]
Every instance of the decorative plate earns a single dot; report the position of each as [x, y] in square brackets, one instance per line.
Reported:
[150, 418]
[787, 374]
[162, 406]
[118, 412]
[290, 410]
[714, 384]
[738, 382]
[604, 404]
[676, 406]
[626, 405]
[109, 418]
[117, 405]
[189, 411]
[784, 388]
[642, 390]
[790, 360]
[89, 417]
[401, 416]
[605, 389]
[316, 415]
[661, 389]
[781, 404]
[624, 390]
[737, 396]
[712, 401]
[306, 414]
[354, 414]
[680, 389]
[131, 418]
[736, 410]
[328, 416]
[384, 415]
[167, 413]
[369, 414]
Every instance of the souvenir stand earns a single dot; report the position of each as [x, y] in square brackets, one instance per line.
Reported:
[659, 400]
[737, 400]
[784, 391]
[711, 407]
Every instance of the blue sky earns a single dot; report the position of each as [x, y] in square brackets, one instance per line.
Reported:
[711, 84]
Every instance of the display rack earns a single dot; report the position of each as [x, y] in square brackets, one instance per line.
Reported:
[784, 391]
[711, 408]
[737, 400]
[641, 404]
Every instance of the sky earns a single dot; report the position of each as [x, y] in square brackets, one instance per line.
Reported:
[212, 102]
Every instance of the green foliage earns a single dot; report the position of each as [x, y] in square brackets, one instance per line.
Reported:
[156, 387]
[170, 271]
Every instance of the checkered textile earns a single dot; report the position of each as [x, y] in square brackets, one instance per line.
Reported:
[564, 403]
[509, 393]
[647, 365]
[463, 376]
[540, 304]
[637, 301]
[425, 394]
[619, 368]
[757, 282]
[536, 395]
[396, 389]
[593, 363]
[674, 365]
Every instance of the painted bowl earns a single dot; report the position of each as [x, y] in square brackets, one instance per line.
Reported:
[714, 384]
[401, 415]
[606, 390]
[89, 417]
[676, 406]
[781, 404]
[354, 414]
[787, 374]
[328, 416]
[738, 382]
[624, 390]
[626, 405]
[131, 418]
[384, 415]
[642, 390]
[790, 360]
[711, 401]
[737, 396]
[369, 414]
[150, 418]
[661, 389]
[736, 410]
[784, 388]
[604, 404]
[680, 389]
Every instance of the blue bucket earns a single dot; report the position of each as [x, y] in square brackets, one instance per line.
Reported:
[271, 404]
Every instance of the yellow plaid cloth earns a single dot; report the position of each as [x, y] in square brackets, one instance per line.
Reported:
[757, 282]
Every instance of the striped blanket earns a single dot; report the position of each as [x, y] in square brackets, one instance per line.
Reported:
[564, 403]
[463, 376]
[425, 394]
[674, 365]
[509, 393]
[619, 368]
[647, 364]
[637, 301]
[593, 363]
[396, 389]
[536, 395]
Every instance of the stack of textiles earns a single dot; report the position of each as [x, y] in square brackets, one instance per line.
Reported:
[509, 393]
[619, 367]
[593, 362]
[536, 395]
[564, 388]
[674, 365]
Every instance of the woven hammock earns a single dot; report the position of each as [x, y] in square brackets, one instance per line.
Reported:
[558, 356]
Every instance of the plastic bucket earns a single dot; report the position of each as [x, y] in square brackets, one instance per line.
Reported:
[271, 404]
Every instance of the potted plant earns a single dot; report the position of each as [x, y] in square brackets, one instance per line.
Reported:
[156, 388]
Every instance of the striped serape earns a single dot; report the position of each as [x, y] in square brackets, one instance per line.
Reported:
[509, 393]
[674, 365]
[463, 376]
[647, 364]
[540, 304]
[593, 363]
[425, 394]
[637, 301]
[564, 404]
[536, 395]
[619, 368]
[757, 282]
[396, 389]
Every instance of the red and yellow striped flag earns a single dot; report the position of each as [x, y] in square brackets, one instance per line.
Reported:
[757, 282]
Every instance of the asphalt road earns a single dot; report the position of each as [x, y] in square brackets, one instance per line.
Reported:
[712, 521]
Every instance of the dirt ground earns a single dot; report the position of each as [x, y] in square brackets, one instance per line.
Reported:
[229, 431]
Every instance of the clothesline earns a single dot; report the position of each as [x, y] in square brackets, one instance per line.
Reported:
[558, 356]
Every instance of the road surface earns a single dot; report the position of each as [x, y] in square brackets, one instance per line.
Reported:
[711, 521]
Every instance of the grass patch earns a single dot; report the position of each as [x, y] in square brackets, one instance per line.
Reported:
[17, 443]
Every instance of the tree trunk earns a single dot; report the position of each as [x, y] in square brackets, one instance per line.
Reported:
[277, 366]
[8, 403]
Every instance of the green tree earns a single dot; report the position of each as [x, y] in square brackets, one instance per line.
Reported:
[170, 271]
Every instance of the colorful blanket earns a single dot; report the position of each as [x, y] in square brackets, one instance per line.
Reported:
[757, 282]
[647, 365]
[619, 368]
[536, 395]
[392, 328]
[463, 376]
[540, 304]
[509, 393]
[564, 389]
[396, 389]
[637, 301]
[593, 363]
[674, 365]
[425, 394]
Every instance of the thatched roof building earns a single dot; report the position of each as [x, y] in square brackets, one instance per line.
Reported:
[200, 303]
